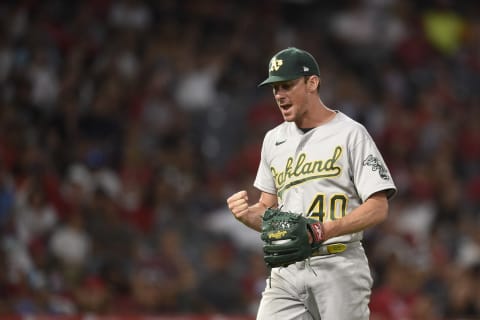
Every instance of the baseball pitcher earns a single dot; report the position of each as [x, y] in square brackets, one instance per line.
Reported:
[322, 181]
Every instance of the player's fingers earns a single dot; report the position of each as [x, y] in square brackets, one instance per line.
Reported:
[239, 208]
[236, 196]
[239, 195]
[237, 205]
[234, 202]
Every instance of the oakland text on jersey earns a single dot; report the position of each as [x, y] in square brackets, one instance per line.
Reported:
[300, 170]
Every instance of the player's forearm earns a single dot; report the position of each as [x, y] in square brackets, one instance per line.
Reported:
[254, 217]
[370, 213]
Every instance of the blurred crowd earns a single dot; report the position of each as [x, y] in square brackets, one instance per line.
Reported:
[124, 126]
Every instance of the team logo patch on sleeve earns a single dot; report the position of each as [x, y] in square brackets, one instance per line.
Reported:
[373, 162]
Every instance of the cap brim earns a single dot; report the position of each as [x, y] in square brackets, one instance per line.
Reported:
[273, 79]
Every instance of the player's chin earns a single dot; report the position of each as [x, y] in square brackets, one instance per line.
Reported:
[288, 117]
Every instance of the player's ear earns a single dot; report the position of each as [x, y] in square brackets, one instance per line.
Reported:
[313, 82]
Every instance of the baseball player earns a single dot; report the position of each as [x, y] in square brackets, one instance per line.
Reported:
[324, 165]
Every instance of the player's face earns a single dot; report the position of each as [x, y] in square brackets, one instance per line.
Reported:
[291, 98]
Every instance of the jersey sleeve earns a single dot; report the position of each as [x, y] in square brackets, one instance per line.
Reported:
[264, 180]
[369, 171]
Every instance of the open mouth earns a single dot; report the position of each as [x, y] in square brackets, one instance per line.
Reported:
[285, 106]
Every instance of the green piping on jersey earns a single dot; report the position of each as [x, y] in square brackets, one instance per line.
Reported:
[305, 171]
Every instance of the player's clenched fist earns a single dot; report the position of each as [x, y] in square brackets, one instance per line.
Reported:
[238, 204]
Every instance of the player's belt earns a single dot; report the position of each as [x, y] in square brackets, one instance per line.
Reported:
[334, 248]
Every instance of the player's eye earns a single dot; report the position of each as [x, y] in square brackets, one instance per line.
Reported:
[285, 86]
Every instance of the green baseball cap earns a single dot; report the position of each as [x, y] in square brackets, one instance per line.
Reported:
[289, 64]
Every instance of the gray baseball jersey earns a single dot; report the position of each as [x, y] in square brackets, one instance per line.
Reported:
[324, 173]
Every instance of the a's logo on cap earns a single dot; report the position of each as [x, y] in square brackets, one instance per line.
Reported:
[275, 64]
[305, 69]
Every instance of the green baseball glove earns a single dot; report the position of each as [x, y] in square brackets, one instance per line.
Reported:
[285, 237]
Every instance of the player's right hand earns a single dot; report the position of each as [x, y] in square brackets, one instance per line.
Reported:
[238, 204]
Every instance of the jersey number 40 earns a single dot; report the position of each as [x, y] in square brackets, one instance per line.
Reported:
[325, 208]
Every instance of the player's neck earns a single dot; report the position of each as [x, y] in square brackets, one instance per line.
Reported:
[316, 116]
